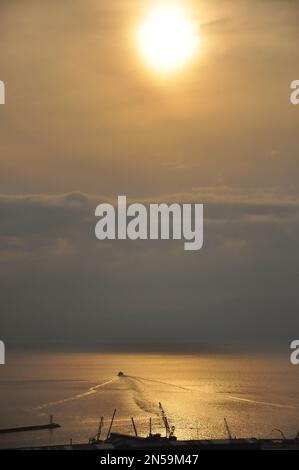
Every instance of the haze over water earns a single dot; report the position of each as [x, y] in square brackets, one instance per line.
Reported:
[255, 394]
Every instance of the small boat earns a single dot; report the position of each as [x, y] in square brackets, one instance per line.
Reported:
[121, 374]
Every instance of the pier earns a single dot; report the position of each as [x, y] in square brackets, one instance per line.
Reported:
[38, 427]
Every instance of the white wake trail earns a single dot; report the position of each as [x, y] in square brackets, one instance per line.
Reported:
[160, 382]
[88, 392]
[276, 405]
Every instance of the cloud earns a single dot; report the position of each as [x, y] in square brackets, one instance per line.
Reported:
[59, 283]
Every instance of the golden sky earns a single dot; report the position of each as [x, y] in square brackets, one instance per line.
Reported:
[87, 119]
[84, 112]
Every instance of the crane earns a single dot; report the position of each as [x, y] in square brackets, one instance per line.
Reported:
[169, 430]
[227, 429]
[101, 425]
[96, 439]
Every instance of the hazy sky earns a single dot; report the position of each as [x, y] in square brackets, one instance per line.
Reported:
[86, 120]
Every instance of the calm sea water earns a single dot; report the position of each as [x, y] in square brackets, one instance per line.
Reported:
[255, 394]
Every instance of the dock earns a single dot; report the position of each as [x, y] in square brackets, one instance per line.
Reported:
[37, 427]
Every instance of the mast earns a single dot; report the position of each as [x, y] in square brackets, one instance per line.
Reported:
[111, 423]
[134, 427]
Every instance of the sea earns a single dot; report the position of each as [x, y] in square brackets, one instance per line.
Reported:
[258, 395]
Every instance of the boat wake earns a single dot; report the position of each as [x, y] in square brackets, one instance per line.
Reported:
[143, 379]
[247, 400]
[138, 385]
[139, 396]
[87, 393]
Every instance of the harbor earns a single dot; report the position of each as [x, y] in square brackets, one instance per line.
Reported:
[115, 441]
[204, 405]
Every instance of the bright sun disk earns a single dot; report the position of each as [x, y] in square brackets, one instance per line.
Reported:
[168, 38]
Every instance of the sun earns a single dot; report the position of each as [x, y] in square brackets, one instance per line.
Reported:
[168, 38]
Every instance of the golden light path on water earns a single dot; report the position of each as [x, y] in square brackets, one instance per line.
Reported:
[134, 383]
[197, 392]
